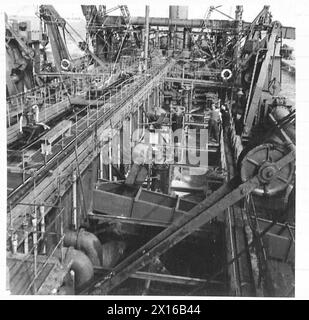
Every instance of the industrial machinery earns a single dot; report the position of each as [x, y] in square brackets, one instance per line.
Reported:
[168, 167]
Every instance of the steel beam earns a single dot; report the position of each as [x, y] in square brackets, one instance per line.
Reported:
[206, 83]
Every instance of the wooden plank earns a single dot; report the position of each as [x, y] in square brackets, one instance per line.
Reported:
[19, 282]
[44, 274]
[21, 272]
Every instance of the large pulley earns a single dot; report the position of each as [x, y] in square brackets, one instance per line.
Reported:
[261, 161]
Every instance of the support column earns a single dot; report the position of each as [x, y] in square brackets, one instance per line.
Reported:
[146, 44]
[238, 18]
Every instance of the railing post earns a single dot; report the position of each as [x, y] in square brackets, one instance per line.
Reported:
[23, 165]
[14, 240]
[88, 115]
[74, 194]
[61, 233]
[75, 125]
[110, 159]
[35, 246]
[26, 235]
[42, 217]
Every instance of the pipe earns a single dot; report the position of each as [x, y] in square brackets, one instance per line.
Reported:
[82, 267]
[87, 243]
[112, 251]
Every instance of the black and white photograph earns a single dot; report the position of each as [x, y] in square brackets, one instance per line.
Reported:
[150, 149]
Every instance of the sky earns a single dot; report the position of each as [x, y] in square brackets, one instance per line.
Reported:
[284, 11]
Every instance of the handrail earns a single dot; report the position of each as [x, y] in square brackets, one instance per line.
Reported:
[15, 103]
[96, 117]
[33, 253]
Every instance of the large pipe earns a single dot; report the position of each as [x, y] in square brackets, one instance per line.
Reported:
[81, 265]
[165, 22]
[177, 13]
[86, 242]
[112, 251]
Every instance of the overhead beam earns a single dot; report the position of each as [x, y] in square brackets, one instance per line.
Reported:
[118, 21]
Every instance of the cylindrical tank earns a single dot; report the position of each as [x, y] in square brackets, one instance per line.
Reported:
[177, 12]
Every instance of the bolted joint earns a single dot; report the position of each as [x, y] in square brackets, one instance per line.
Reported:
[267, 172]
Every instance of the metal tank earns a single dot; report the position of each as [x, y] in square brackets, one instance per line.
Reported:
[177, 34]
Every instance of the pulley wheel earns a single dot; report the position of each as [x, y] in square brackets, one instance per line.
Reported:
[261, 161]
